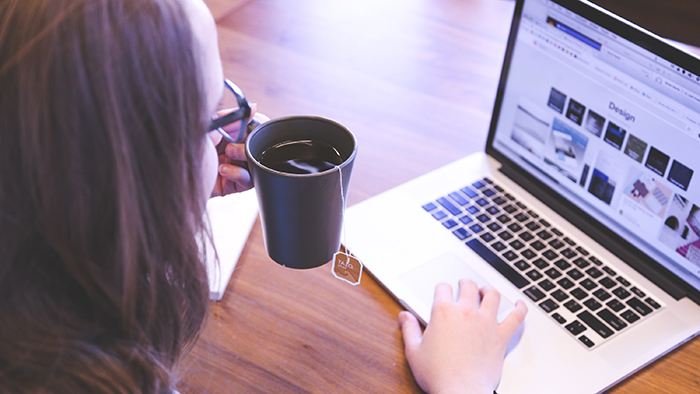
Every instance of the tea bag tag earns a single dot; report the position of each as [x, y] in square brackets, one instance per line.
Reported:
[347, 268]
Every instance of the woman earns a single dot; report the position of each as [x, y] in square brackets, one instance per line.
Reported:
[105, 168]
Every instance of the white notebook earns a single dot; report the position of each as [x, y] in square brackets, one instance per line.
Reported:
[232, 217]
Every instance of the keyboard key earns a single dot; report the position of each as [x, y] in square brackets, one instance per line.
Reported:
[621, 293]
[640, 307]
[596, 325]
[594, 272]
[609, 271]
[508, 196]
[466, 219]
[476, 228]
[629, 316]
[575, 327]
[522, 265]
[534, 293]
[537, 245]
[439, 215]
[514, 227]
[612, 320]
[653, 303]
[533, 226]
[499, 200]
[483, 218]
[503, 219]
[459, 199]
[601, 294]
[584, 339]
[540, 263]
[510, 255]
[556, 232]
[581, 250]
[505, 235]
[637, 292]
[559, 295]
[623, 281]
[534, 275]
[451, 208]
[556, 244]
[501, 266]
[546, 285]
[461, 233]
[565, 283]
[595, 260]
[569, 241]
[478, 184]
[533, 214]
[526, 236]
[492, 210]
[482, 202]
[592, 304]
[588, 284]
[568, 253]
[498, 246]
[578, 293]
[521, 217]
[581, 263]
[517, 245]
[520, 205]
[528, 254]
[549, 305]
[573, 306]
[500, 189]
[449, 223]
[550, 254]
[487, 237]
[469, 192]
[615, 305]
[558, 318]
[473, 210]
[488, 192]
[510, 208]
[487, 180]
[429, 206]
[553, 273]
[607, 283]
[544, 223]
[574, 274]
[562, 264]
[494, 226]
[544, 234]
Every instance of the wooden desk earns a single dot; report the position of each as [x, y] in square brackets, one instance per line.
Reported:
[415, 80]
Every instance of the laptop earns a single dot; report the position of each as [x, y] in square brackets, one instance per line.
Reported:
[585, 203]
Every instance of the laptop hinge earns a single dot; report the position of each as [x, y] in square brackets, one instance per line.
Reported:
[626, 252]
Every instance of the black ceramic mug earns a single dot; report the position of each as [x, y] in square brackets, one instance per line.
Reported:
[300, 201]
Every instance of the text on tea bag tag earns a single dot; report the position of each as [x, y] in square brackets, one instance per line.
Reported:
[345, 267]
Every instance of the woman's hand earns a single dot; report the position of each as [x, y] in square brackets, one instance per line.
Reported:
[234, 176]
[463, 347]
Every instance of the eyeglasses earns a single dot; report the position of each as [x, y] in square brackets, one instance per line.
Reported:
[242, 114]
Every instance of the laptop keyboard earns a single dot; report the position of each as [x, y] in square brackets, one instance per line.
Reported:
[579, 291]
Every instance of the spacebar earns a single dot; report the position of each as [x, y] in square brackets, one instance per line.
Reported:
[501, 266]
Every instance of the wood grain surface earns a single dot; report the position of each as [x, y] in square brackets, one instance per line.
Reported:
[415, 81]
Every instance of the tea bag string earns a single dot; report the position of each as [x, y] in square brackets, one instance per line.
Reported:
[342, 208]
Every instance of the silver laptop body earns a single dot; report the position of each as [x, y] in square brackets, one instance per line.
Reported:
[583, 203]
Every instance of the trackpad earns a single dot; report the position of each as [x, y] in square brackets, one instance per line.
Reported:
[448, 268]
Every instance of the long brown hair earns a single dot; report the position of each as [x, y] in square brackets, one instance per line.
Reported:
[102, 121]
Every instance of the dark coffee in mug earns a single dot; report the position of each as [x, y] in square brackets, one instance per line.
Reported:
[301, 157]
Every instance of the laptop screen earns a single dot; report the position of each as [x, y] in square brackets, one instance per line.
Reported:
[610, 124]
